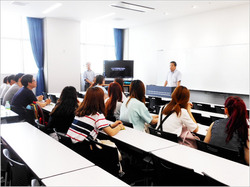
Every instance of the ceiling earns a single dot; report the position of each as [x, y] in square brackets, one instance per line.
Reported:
[123, 17]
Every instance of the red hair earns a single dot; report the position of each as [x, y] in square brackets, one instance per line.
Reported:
[238, 118]
[115, 95]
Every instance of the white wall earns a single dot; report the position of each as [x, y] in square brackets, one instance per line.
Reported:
[62, 60]
[209, 48]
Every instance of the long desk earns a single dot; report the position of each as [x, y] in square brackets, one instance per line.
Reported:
[8, 115]
[208, 114]
[141, 140]
[92, 176]
[45, 156]
[223, 170]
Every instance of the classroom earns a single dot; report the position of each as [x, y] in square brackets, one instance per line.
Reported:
[207, 40]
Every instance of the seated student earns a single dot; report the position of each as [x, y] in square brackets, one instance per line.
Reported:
[11, 81]
[63, 113]
[5, 82]
[114, 102]
[25, 96]
[13, 89]
[231, 132]
[120, 81]
[178, 112]
[90, 118]
[99, 82]
[134, 109]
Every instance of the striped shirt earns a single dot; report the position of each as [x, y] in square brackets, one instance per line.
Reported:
[85, 126]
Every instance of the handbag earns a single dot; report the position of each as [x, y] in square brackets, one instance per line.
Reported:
[188, 138]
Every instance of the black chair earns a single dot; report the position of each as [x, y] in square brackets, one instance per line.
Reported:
[19, 173]
[163, 134]
[168, 174]
[102, 155]
[211, 181]
[219, 151]
[219, 109]
[45, 95]
[153, 102]
[204, 107]
[53, 98]
[4, 167]
[125, 123]
[64, 139]
[201, 119]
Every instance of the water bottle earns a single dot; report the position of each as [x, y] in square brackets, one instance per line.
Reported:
[7, 105]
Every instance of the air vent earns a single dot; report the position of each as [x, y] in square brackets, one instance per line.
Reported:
[132, 6]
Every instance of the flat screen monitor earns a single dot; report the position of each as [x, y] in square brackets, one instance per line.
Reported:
[118, 68]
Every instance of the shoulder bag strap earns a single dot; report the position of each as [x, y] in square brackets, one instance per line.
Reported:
[162, 121]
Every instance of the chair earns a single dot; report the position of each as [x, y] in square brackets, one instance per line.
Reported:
[53, 98]
[64, 139]
[219, 151]
[102, 155]
[4, 167]
[219, 109]
[19, 173]
[163, 134]
[204, 107]
[80, 95]
[168, 173]
[45, 95]
[125, 123]
[153, 102]
[211, 181]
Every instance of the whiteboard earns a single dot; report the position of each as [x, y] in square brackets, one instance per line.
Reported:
[217, 68]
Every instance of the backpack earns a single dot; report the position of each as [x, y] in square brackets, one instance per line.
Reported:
[38, 113]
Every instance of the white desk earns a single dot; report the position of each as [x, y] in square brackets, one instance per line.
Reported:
[202, 129]
[142, 140]
[44, 155]
[8, 114]
[92, 176]
[49, 107]
[223, 170]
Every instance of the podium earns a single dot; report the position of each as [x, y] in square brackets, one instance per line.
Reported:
[159, 91]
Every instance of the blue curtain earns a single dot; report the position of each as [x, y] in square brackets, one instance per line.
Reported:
[37, 45]
[119, 43]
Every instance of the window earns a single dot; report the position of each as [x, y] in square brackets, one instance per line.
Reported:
[16, 52]
[97, 45]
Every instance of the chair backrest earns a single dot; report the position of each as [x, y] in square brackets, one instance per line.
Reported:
[64, 139]
[211, 181]
[80, 95]
[219, 151]
[128, 124]
[100, 154]
[53, 98]
[220, 109]
[163, 134]
[168, 173]
[19, 173]
[204, 107]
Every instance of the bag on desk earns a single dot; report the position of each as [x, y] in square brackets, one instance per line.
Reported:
[187, 138]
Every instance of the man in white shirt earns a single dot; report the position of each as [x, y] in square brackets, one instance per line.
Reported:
[174, 76]
[88, 76]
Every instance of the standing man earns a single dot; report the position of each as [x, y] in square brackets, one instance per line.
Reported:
[174, 76]
[88, 76]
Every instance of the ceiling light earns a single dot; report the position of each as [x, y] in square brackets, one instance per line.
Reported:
[165, 13]
[194, 6]
[53, 7]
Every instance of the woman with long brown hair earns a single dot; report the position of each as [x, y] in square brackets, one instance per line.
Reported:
[178, 112]
[114, 102]
[231, 132]
[90, 118]
[134, 109]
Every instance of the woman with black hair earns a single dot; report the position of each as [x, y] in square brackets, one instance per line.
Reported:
[63, 113]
